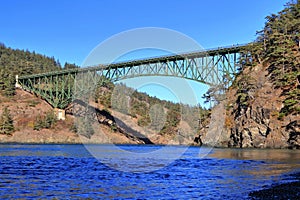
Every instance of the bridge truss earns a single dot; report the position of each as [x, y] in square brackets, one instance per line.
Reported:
[212, 67]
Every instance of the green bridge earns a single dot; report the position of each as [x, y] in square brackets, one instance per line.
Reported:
[212, 67]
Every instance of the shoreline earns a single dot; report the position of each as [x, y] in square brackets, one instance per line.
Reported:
[290, 190]
[97, 143]
[103, 143]
[70, 143]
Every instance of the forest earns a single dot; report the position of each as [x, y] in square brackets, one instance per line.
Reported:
[23, 62]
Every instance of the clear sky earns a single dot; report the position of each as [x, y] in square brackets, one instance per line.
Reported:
[70, 29]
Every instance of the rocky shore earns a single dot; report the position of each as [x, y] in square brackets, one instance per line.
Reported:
[282, 191]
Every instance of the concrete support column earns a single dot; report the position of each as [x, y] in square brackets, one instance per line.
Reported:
[60, 113]
[17, 85]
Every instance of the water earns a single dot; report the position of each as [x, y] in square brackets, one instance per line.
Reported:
[71, 172]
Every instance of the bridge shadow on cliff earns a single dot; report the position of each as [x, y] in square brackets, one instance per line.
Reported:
[104, 117]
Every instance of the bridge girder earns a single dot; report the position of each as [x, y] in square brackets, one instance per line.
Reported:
[212, 67]
[211, 70]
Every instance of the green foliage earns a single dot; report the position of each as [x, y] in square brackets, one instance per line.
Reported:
[242, 99]
[103, 92]
[283, 42]
[139, 108]
[20, 62]
[50, 119]
[281, 115]
[291, 104]
[45, 122]
[144, 120]
[6, 122]
[32, 103]
[7, 83]
[215, 94]
[287, 79]
[245, 86]
[150, 112]
[278, 47]
[70, 66]
[251, 54]
[172, 120]
[38, 124]
[104, 82]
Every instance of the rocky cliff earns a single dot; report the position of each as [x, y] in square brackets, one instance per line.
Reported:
[262, 107]
[250, 115]
[254, 120]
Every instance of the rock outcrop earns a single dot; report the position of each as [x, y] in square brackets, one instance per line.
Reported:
[252, 115]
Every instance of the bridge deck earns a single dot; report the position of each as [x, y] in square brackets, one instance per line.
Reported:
[209, 52]
[213, 67]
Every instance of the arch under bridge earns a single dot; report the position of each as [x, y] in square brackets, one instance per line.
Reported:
[212, 67]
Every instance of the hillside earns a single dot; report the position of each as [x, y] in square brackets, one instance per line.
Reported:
[262, 107]
[26, 110]
[120, 114]
[30, 116]
[163, 122]
[20, 62]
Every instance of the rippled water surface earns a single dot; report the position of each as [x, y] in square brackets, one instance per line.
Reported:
[72, 172]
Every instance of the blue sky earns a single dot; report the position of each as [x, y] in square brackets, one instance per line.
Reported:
[70, 29]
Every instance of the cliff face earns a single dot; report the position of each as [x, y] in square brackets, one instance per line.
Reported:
[263, 104]
[249, 116]
[256, 123]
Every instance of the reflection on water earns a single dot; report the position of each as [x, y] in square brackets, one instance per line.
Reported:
[276, 155]
[70, 171]
[274, 161]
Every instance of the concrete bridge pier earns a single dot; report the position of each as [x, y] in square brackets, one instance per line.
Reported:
[17, 85]
[60, 113]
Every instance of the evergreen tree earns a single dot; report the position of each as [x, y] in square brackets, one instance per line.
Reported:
[6, 122]
[50, 119]
[215, 94]
[20, 62]
[2, 80]
[278, 47]
[45, 122]
[9, 83]
[70, 66]
[38, 124]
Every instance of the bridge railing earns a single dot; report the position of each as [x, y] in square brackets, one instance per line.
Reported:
[191, 54]
[212, 66]
[205, 52]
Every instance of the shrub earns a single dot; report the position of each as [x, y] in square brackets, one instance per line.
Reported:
[6, 122]
[45, 122]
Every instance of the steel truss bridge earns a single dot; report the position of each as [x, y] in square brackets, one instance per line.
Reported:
[213, 67]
